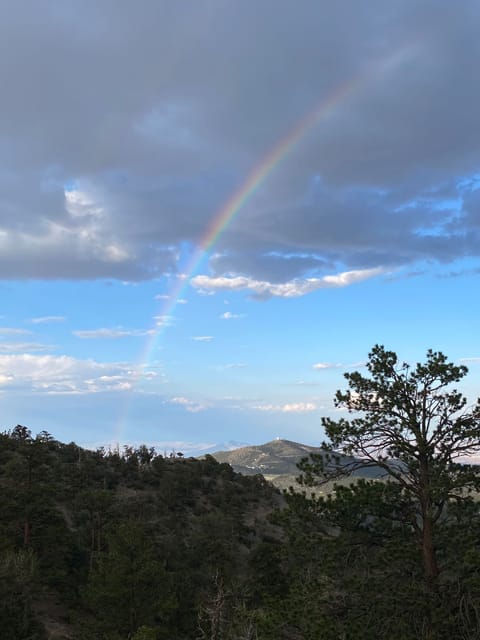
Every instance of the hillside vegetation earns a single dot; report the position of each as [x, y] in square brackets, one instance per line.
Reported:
[132, 545]
[114, 545]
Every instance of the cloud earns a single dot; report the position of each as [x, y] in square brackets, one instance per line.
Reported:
[166, 296]
[326, 365]
[299, 407]
[23, 347]
[321, 366]
[271, 266]
[112, 333]
[291, 407]
[228, 315]
[48, 319]
[385, 146]
[205, 292]
[164, 321]
[292, 289]
[190, 405]
[29, 373]
[12, 331]
[233, 365]
[202, 338]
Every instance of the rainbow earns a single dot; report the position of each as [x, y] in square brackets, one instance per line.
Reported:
[254, 180]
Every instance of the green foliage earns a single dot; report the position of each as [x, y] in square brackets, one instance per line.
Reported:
[129, 586]
[401, 551]
[146, 633]
[125, 544]
[356, 569]
[131, 545]
[407, 417]
[18, 582]
[413, 426]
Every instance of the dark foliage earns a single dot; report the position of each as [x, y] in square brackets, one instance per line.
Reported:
[108, 545]
[131, 545]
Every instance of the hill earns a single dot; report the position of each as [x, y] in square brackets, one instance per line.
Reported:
[278, 457]
[277, 461]
[102, 544]
[133, 545]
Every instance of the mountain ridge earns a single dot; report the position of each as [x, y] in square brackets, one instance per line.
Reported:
[277, 461]
[277, 457]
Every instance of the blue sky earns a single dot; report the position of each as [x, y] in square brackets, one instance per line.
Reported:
[126, 128]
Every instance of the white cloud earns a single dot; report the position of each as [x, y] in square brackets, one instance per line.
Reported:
[228, 315]
[321, 366]
[12, 331]
[291, 407]
[190, 405]
[48, 319]
[80, 243]
[326, 365]
[23, 347]
[164, 320]
[150, 374]
[64, 374]
[205, 292]
[166, 296]
[291, 289]
[232, 365]
[112, 334]
[202, 338]
[84, 209]
[299, 407]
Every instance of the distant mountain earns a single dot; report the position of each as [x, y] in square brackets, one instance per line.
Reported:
[277, 457]
[277, 461]
[231, 445]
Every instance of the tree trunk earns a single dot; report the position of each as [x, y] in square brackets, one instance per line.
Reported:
[428, 550]
[429, 558]
[26, 533]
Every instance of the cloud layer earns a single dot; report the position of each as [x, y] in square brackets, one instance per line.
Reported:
[124, 130]
[113, 333]
[291, 289]
[64, 374]
[291, 407]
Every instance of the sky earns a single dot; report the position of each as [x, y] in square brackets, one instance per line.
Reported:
[210, 210]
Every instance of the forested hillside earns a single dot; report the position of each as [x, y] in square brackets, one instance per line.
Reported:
[121, 545]
[132, 545]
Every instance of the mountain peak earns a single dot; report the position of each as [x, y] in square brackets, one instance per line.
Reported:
[277, 457]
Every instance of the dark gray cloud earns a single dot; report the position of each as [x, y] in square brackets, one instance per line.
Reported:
[273, 267]
[152, 114]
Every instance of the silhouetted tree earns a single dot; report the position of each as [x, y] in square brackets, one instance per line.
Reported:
[414, 426]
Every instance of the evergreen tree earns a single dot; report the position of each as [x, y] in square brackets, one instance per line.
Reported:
[413, 426]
